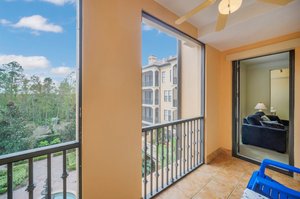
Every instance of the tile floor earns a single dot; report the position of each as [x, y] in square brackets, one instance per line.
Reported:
[224, 177]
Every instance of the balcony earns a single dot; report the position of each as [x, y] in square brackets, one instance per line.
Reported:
[224, 177]
[49, 162]
[170, 152]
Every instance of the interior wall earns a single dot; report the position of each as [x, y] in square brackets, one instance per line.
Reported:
[258, 86]
[280, 92]
[275, 45]
[112, 101]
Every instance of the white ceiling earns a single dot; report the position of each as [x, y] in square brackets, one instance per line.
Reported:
[254, 21]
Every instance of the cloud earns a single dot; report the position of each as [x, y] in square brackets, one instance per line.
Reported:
[60, 2]
[38, 23]
[62, 70]
[146, 27]
[29, 62]
[4, 22]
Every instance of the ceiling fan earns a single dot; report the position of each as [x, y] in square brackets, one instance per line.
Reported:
[226, 7]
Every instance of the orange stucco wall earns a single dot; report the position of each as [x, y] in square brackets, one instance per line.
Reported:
[111, 148]
[212, 111]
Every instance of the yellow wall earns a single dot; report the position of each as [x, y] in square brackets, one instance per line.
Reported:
[279, 44]
[212, 112]
[112, 95]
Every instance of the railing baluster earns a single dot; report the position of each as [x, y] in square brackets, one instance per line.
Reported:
[172, 162]
[184, 154]
[162, 157]
[194, 142]
[9, 181]
[157, 175]
[191, 145]
[65, 174]
[31, 185]
[151, 154]
[167, 169]
[176, 149]
[145, 164]
[201, 139]
[197, 151]
[49, 175]
[188, 138]
[188, 145]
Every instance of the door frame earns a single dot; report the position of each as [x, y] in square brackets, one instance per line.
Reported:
[236, 109]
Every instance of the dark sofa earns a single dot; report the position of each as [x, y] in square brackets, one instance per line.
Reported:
[274, 138]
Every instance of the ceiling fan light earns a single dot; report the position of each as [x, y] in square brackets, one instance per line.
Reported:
[229, 6]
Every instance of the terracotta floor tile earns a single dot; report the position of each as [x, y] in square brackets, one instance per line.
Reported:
[172, 193]
[225, 177]
[191, 185]
[214, 190]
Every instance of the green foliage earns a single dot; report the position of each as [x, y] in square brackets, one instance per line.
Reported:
[148, 165]
[30, 102]
[43, 143]
[71, 161]
[55, 141]
[14, 135]
[20, 174]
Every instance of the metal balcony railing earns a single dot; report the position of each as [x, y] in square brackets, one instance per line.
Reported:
[29, 155]
[170, 151]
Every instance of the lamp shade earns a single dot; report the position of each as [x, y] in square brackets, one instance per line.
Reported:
[260, 106]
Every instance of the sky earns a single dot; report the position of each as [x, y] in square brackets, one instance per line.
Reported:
[155, 42]
[40, 35]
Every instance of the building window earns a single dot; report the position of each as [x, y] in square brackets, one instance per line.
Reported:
[156, 78]
[167, 115]
[163, 77]
[157, 97]
[175, 74]
[147, 78]
[169, 96]
[165, 96]
[147, 113]
[147, 96]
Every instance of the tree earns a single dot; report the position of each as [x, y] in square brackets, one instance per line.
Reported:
[11, 76]
[14, 135]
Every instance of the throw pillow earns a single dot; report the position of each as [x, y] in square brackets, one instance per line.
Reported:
[265, 118]
[254, 120]
[272, 124]
[259, 113]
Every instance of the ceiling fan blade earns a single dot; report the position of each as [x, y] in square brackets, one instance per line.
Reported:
[278, 2]
[221, 22]
[194, 11]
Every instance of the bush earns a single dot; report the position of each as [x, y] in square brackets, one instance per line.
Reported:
[71, 161]
[43, 143]
[20, 174]
[55, 141]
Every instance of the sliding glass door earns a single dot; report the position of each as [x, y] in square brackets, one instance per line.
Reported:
[263, 107]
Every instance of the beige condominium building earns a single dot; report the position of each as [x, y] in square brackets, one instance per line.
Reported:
[160, 85]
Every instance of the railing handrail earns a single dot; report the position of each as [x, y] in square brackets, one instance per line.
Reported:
[31, 153]
[149, 128]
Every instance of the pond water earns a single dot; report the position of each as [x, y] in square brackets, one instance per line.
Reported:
[60, 195]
